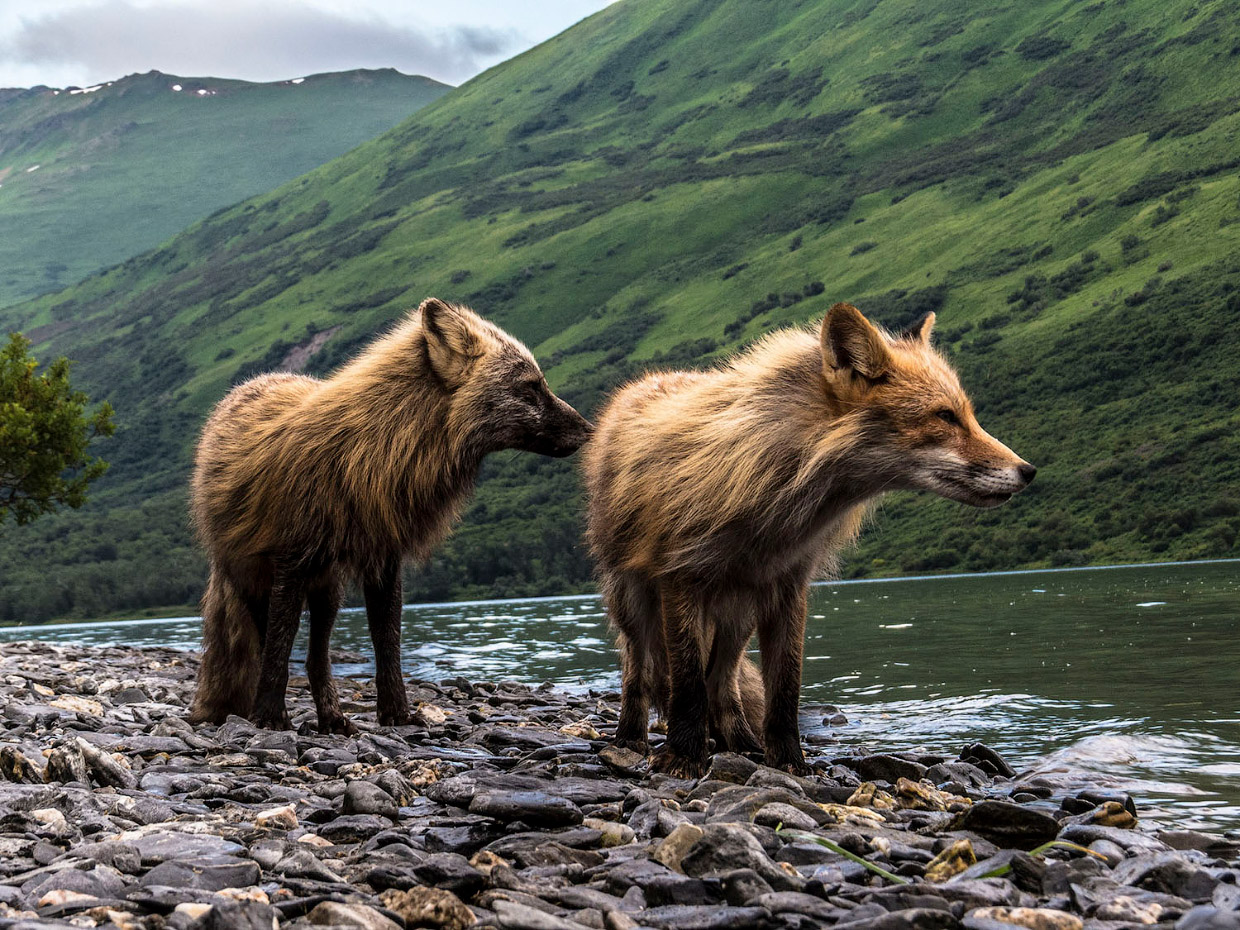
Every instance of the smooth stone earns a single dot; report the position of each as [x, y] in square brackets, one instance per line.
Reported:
[226, 914]
[782, 902]
[741, 886]
[917, 918]
[154, 848]
[1170, 873]
[353, 828]
[730, 767]
[673, 888]
[613, 834]
[450, 871]
[671, 850]
[99, 882]
[302, 863]
[1032, 918]
[277, 818]
[624, 762]
[703, 917]
[1208, 917]
[352, 916]
[123, 857]
[987, 759]
[514, 916]
[429, 907]
[779, 815]
[1008, 824]
[204, 875]
[727, 847]
[536, 808]
[882, 767]
[363, 797]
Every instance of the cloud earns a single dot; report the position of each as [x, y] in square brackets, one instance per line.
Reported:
[264, 41]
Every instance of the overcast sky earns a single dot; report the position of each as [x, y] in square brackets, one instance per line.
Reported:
[83, 42]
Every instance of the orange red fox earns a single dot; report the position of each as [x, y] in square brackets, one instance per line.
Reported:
[716, 496]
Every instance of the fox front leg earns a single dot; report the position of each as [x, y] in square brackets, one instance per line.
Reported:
[383, 597]
[684, 753]
[781, 637]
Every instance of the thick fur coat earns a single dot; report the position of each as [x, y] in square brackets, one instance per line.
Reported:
[716, 496]
[300, 484]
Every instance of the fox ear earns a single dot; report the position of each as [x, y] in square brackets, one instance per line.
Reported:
[850, 341]
[921, 329]
[450, 340]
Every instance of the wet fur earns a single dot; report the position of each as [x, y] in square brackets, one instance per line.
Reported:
[715, 497]
[300, 484]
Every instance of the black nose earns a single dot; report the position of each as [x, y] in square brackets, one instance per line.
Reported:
[1027, 472]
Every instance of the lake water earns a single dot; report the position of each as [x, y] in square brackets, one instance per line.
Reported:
[1133, 672]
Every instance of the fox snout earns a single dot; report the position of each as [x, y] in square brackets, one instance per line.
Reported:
[991, 487]
[563, 432]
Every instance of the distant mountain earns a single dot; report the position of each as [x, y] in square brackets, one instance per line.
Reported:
[670, 179]
[92, 175]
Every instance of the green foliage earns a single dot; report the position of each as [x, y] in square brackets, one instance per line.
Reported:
[624, 197]
[44, 432]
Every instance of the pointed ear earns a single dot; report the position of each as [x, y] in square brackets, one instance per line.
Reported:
[450, 339]
[850, 341]
[920, 331]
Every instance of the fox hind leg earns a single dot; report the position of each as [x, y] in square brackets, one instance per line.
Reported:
[684, 753]
[324, 603]
[729, 721]
[633, 607]
[288, 594]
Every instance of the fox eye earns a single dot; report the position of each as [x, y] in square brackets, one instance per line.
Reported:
[948, 416]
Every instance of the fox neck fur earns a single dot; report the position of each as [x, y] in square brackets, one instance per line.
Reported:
[764, 511]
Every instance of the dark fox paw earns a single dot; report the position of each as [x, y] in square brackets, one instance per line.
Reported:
[793, 766]
[337, 723]
[676, 765]
[395, 718]
[633, 744]
[271, 719]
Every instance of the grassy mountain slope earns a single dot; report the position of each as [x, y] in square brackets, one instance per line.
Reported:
[91, 176]
[667, 181]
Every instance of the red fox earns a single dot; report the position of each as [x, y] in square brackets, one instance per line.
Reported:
[299, 483]
[715, 497]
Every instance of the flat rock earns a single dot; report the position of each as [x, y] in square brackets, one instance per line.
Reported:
[536, 808]
[154, 848]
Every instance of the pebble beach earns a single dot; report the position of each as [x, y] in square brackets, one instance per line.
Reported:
[503, 805]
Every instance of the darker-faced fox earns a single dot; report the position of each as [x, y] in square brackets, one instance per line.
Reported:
[300, 483]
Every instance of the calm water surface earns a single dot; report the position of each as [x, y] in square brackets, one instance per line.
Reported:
[1130, 672]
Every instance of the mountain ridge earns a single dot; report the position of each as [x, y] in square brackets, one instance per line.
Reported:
[90, 176]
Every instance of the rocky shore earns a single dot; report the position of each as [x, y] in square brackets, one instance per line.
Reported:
[503, 805]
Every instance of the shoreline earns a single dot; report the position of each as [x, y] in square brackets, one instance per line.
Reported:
[176, 612]
[503, 805]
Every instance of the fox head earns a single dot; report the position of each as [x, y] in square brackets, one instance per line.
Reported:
[499, 395]
[917, 419]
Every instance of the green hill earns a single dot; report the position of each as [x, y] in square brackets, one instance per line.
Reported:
[91, 176]
[671, 178]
